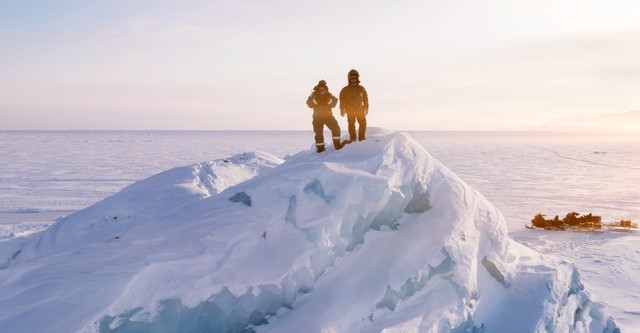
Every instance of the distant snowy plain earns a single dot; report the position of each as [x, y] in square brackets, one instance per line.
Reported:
[45, 175]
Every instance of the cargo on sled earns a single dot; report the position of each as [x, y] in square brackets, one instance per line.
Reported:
[622, 225]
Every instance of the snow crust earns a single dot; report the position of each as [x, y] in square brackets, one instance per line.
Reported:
[376, 237]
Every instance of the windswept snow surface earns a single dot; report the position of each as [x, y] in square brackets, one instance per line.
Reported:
[376, 237]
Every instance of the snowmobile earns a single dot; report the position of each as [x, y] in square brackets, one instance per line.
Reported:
[589, 222]
[539, 222]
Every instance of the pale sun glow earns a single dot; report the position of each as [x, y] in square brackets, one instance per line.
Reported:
[457, 65]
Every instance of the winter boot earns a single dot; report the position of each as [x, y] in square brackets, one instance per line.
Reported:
[337, 144]
[320, 147]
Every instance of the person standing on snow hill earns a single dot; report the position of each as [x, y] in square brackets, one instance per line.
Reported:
[322, 101]
[354, 102]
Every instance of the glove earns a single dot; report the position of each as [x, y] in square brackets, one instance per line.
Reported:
[366, 111]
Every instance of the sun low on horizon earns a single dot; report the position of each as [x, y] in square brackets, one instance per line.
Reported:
[234, 65]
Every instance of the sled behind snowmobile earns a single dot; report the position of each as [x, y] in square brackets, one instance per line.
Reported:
[622, 225]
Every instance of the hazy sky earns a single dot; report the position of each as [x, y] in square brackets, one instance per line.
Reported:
[214, 65]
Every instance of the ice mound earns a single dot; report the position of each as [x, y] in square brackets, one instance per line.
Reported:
[147, 201]
[376, 237]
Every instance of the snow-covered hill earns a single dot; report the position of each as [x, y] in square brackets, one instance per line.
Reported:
[376, 237]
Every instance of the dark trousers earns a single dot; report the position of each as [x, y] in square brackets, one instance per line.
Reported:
[330, 122]
[362, 122]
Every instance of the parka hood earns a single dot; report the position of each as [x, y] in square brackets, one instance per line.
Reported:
[321, 83]
[351, 73]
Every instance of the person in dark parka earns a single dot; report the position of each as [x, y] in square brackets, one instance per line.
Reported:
[354, 102]
[322, 101]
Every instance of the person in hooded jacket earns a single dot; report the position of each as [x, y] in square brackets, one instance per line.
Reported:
[354, 102]
[322, 101]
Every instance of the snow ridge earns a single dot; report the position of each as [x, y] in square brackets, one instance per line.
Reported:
[146, 201]
[376, 237]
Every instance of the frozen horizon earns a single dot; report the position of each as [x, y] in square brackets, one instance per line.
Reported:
[623, 123]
